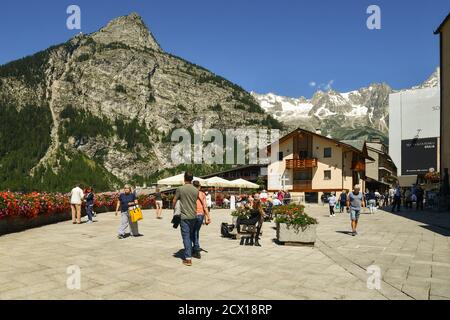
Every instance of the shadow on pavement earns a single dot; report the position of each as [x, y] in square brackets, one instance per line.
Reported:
[179, 254]
[437, 229]
[349, 233]
[438, 222]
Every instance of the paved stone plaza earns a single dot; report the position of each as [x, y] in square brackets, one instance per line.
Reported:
[412, 249]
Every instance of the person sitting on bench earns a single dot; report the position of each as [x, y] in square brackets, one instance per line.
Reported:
[256, 219]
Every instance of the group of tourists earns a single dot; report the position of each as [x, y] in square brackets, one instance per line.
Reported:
[277, 198]
[77, 197]
[193, 205]
[414, 195]
[194, 212]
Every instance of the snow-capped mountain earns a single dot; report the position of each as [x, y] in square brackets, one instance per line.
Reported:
[356, 114]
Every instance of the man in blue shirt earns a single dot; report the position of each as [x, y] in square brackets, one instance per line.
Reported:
[356, 202]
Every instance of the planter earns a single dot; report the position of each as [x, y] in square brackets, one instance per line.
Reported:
[17, 224]
[296, 234]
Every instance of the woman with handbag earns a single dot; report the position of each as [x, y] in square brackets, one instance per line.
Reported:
[202, 216]
[126, 200]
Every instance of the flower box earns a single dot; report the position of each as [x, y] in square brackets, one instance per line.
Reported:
[294, 225]
[291, 233]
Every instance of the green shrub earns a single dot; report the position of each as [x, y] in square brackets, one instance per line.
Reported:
[24, 140]
[133, 133]
[79, 123]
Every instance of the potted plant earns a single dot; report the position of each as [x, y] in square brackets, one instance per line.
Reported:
[243, 212]
[294, 225]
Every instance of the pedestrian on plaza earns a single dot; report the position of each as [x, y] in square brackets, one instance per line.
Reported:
[208, 200]
[331, 203]
[233, 202]
[76, 199]
[343, 201]
[324, 198]
[256, 218]
[372, 201]
[202, 216]
[158, 204]
[356, 202]
[126, 200]
[396, 200]
[187, 195]
[281, 196]
[287, 198]
[264, 196]
[391, 196]
[89, 197]
[420, 196]
[408, 200]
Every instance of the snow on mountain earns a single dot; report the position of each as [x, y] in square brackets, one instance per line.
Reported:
[339, 114]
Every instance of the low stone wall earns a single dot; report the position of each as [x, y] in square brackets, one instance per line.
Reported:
[18, 224]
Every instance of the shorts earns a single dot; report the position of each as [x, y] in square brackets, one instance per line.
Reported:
[159, 202]
[354, 214]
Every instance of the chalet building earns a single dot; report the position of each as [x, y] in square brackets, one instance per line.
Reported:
[381, 173]
[444, 34]
[310, 164]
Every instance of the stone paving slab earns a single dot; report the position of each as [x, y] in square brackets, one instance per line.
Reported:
[412, 248]
[414, 261]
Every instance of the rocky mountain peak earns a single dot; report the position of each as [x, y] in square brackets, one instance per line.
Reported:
[432, 81]
[130, 30]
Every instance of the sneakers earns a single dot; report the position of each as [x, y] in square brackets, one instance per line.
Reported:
[197, 255]
[353, 233]
[187, 263]
[120, 236]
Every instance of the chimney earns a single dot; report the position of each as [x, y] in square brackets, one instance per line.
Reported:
[318, 131]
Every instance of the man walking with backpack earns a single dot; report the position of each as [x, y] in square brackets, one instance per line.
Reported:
[187, 195]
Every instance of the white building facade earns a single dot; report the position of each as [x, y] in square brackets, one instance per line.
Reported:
[414, 130]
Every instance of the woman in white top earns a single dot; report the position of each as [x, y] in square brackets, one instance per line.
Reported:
[332, 203]
[76, 199]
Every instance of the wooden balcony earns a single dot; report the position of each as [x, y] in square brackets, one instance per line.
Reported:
[301, 163]
[302, 185]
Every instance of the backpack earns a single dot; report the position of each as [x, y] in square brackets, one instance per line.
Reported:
[225, 229]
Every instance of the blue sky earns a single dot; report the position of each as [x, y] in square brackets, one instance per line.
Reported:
[277, 46]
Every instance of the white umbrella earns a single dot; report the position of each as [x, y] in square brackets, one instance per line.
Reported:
[177, 180]
[218, 182]
[244, 184]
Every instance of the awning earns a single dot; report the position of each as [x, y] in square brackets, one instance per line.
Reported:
[407, 181]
